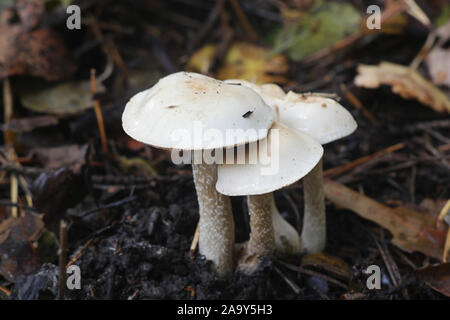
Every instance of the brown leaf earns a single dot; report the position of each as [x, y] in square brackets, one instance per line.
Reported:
[411, 230]
[40, 52]
[437, 277]
[405, 82]
[329, 263]
[16, 256]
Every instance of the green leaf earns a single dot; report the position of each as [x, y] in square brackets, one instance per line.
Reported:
[61, 99]
[48, 246]
[444, 16]
[322, 26]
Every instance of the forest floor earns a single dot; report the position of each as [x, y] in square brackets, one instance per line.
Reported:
[132, 213]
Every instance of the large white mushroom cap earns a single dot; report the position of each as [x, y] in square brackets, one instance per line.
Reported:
[322, 118]
[191, 111]
[295, 155]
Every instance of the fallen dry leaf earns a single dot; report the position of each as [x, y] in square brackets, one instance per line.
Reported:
[202, 59]
[438, 60]
[437, 277]
[253, 63]
[411, 230]
[38, 52]
[243, 61]
[65, 98]
[16, 256]
[333, 265]
[405, 82]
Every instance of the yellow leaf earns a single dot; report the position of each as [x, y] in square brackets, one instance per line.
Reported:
[405, 81]
[253, 63]
[242, 61]
[201, 60]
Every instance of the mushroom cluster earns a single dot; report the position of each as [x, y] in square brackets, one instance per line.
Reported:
[279, 136]
[318, 120]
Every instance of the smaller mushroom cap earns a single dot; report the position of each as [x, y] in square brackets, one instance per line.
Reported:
[290, 157]
[271, 93]
[322, 118]
[191, 111]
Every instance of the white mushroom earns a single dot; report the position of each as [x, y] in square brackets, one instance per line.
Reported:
[189, 111]
[287, 239]
[284, 157]
[325, 120]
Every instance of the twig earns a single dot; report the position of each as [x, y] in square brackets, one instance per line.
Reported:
[437, 135]
[15, 169]
[446, 248]
[333, 172]
[80, 252]
[357, 104]
[390, 265]
[415, 11]
[424, 51]
[291, 283]
[7, 115]
[405, 259]
[244, 20]
[441, 217]
[443, 213]
[14, 191]
[108, 206]
[195, 241]
[210, 21]
[5, 291]
[26, 188]
[8, 108]
[98, 113]
[62, 258]
[25, 234]
[313, 274]
[322, 276]
[10, 204]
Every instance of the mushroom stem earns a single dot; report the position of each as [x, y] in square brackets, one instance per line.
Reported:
[314, 220]
[287, 239]
[262, 239]
[216, 239]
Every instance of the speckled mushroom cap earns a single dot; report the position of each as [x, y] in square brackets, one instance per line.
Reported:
[191, 111]
[297, 154]
[322, 118]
